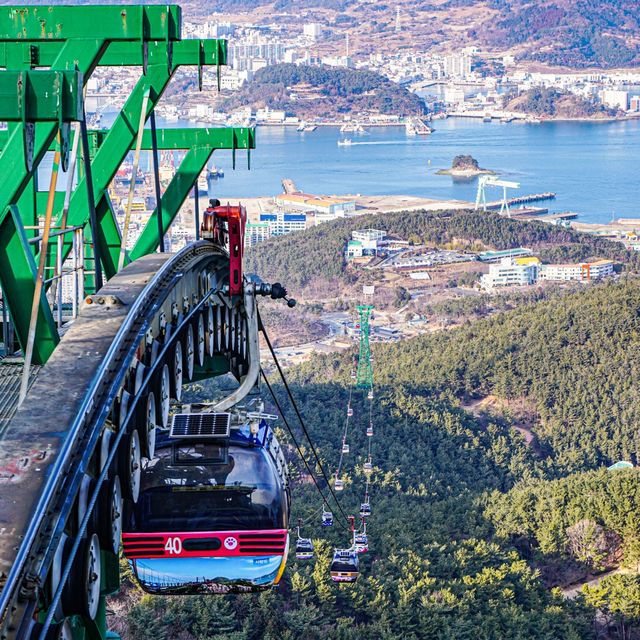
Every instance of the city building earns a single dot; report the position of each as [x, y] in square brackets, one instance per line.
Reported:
[354, 249]
[256, 232]
[615, 98]
[457, 65]
[369, 239]
[509, 273]
[494, 256]
[581, 272]
[281, 223]
[331, 207]
[312, 30]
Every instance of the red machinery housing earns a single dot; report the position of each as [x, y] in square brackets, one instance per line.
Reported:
[225, 226]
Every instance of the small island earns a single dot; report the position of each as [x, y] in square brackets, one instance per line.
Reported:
[464, 166]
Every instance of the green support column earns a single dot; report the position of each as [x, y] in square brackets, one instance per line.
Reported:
[18, 271]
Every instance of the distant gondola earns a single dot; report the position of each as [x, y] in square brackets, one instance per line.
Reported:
[345, 565]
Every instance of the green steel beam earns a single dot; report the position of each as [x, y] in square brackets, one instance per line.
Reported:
[187, 175]
[126, 22]
[18, 270]
[41, 96]
[118, 54]
[117, 144]
[14, 179]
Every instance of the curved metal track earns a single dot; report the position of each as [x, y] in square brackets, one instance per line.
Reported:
[106, 363]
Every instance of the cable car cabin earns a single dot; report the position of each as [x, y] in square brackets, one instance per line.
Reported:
[213, 512]
[345, 565]
[327, 519]
[353, 374]
[349, 411]
[361, 543]
[304, 549]
[365, 509]
[345, 447]
[370, 430]
[368, 466]
[370, 395]
[339, 485]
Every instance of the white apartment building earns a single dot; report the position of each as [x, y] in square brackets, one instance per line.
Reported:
[281, 223]
[256, 232]
[457, 65]
[582, 272]
[508, 273]
[615, 98]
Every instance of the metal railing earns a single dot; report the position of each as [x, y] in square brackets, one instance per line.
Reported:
[73, 269]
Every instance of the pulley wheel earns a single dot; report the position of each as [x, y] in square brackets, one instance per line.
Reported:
[105, 446]
[209, 330]
[81, 595]
[189, 353]
[130, 465]
[110, 525]
[147, 426]
[55, 573]
[176, 370]
[163, 396]
[200, 340]
[87, 486]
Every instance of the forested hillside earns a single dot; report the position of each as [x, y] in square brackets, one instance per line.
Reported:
[318, 252]
[335, 91]
[470, 526]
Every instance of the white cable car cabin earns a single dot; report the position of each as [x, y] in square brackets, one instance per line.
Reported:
[304, 549]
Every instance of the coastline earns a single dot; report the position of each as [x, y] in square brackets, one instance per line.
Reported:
[465, 173]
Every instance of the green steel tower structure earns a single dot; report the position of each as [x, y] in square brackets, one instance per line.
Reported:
[365, 374]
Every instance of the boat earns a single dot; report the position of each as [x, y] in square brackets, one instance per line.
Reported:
[347, 127]
[486, 118]
[215, 173]
[203, 186]
[345, 143]
[410, 129]
[301, 126]
[308, 128]
[358, 128]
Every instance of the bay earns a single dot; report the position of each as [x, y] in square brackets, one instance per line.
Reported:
[592, 166]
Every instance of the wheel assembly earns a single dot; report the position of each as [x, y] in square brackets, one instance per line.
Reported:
[81, 594]
[110, 525]
[163, 396]
[200, 340]
[189, 353]
[209, 330]
[175, 371]
[130, 465]
[147, 426]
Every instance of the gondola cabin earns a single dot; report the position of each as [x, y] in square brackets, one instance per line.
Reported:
[339, 485]
[327, 519]
[361, 543]
[213, 511]
[304, 549]
[345, 447]
[370, 430]
[349, 411]
[345, 565]
[365, 510]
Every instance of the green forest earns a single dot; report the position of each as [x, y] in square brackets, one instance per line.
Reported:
[318, 252]
[474, 532]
